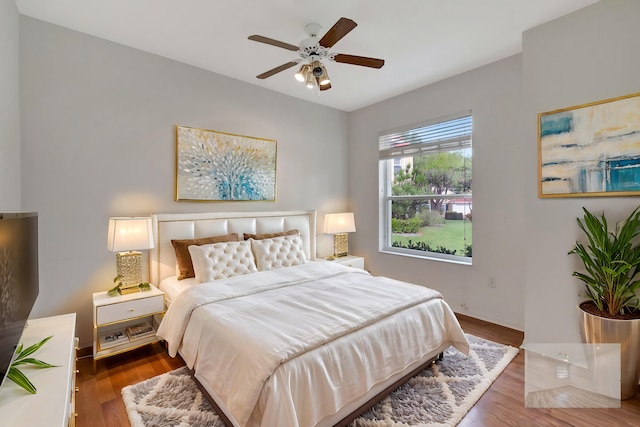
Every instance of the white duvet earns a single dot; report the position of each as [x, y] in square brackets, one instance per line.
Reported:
[292, 346]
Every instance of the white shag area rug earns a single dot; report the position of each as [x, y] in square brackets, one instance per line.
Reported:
[438, 396]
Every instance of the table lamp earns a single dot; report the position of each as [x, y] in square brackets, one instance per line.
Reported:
[339, 224]
[127, 236]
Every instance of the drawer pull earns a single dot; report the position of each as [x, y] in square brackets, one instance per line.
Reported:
[131, 310]
[77, 389]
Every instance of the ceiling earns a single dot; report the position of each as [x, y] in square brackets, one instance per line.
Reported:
[421, 41]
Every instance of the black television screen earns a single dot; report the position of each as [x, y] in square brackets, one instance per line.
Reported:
[18, 280]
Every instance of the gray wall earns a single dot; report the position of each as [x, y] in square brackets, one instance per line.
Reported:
[519, 239]
[493, 94]
[98, 126]
[9, 108]
[587, 56]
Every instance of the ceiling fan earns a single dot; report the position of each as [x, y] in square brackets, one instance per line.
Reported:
[313, 50]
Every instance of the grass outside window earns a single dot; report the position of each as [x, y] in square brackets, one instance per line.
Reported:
[451, 235]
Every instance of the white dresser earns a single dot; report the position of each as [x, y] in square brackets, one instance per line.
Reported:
[54, 403]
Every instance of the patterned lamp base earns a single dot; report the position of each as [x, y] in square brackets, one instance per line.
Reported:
[341, 245]
[129, 265]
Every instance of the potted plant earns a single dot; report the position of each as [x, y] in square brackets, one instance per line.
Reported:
[611, 261]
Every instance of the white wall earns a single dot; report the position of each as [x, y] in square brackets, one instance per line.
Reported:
[587, 56]
[9, 108]
[493, 94]
[98, 140]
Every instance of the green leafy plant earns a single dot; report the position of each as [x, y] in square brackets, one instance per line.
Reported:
[468, 250]
[143, 286]
[422, 246]
[114, 291]
[611, 261]
[430, 218]
[23, 358]
[411, 225]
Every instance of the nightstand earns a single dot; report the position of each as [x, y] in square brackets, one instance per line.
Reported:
[113, 315]
[351, 261]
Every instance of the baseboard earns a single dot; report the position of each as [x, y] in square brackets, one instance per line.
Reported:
[478, 318]
[480, 321]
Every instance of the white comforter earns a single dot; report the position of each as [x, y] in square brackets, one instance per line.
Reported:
[294, 345]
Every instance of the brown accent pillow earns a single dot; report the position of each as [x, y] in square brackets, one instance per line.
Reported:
[183, 257]
[248, 236]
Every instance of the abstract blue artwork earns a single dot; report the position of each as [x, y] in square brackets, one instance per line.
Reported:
[217, 166]
[590, 150]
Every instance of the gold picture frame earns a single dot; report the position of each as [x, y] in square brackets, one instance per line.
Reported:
[590, 149]
[218, 166]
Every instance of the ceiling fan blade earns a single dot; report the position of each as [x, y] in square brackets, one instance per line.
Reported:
[359, 60]
[277, 70]
[273, 42]
[338, 31]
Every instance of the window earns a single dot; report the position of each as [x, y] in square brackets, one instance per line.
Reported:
[425, 187]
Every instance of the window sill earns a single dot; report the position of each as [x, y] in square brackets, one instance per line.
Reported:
[416, 254]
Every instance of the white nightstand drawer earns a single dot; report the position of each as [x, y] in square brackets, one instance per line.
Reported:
[129, 309]
[351, 261]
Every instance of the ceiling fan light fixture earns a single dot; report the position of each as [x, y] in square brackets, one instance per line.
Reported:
[317, 68]
[301, 75]
[324, 77]
[311, 81]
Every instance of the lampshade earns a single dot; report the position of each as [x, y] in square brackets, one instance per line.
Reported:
[311, 81]
[324, 77]
[339, 223]
[129, 234]
[301, 75]
[317, 68]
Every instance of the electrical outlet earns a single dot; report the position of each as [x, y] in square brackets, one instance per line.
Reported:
[492, 282]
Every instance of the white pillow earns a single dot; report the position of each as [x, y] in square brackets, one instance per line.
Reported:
[278, 252]
[221, 260]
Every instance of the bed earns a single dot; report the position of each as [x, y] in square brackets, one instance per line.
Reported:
[275, 337]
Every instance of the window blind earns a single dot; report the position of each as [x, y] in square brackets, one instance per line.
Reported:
[445, 134]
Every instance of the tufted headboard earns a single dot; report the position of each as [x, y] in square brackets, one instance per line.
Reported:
[194, 225]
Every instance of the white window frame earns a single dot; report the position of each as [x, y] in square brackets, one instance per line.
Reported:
[386, 172]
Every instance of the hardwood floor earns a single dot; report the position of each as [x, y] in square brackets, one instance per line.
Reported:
[99, 403]
[503, 403]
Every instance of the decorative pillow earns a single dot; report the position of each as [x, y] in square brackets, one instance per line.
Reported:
[222, 260]
[262, 236]
[278, 252]
[183, 258]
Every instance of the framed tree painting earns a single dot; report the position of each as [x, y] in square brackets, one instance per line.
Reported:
[590, 150]
[218, 166]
